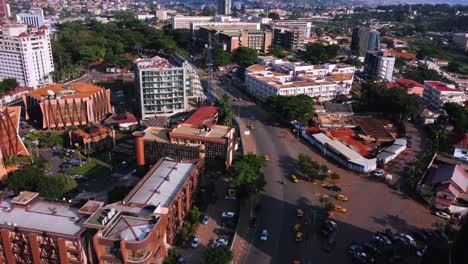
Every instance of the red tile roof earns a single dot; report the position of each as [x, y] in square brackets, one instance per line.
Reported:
[441, 86]
[407, 83]
[202, 115]
[404, 55]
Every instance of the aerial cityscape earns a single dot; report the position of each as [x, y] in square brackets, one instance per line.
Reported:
[234, 131]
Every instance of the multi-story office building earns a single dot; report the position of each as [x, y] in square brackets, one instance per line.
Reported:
[303, 25]
[232, 39]
[289, 38]
[379, 64]
[277, 77]
[26, 55]
[34, 17]
[63, 105]
[436, 94]
[461, 40]
[186, 21]
[164, 88]
[365, 39]
[224, 7]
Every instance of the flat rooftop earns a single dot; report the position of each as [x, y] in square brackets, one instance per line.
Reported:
[42, 216]
[215, 131]
[161, 184]
[158, 134]
[72, 90]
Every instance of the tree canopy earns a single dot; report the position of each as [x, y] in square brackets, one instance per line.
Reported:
[207, 11]
[298, 107]
[274, 16]
[226, 114]
[247, 173]
[34, 180]
[318, 53]
[458, 116]
[312, 169]
[245, 56]
[7, 85]
[217, 255]
[277, 51]
[221, 57]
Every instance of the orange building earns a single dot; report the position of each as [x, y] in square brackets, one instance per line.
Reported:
[61, 105]
[92, 139]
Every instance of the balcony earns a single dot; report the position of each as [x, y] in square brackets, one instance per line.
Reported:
[140, 259]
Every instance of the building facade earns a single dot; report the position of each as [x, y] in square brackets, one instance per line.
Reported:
[323, 82]
[231, 39]
[303, 26]
[34, 17]
[4, 10]
[436, 94]
[58, 106]
[461, 40]
[289, 38]
[164, 88]
[364, 40]
[32, 64]
[93, 139]
[186, 21]
[224, 7]
[379, 64]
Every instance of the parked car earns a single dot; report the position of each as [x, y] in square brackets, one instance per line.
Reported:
[195, 242]
[264, 235]
[328, 227]
[379, 173]
[219, 242]
[294, 178]
[340, 209]
[299, 212]
[205, 220]
[442, 214]
[341, 197]
[410, 240]
[334, 188]
[299, 236]
[228, 215]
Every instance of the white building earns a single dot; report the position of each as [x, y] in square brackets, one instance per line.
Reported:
[436, 94]
[34, 17]
[165, 88]
[26, 55]
[303, 26]
[323, 82]
[186, 21]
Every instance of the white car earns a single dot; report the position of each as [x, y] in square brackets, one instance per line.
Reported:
[205, 220]
[230, 197]
[443, 214]
[219, 242]
[228, 215]
[379, 173]
[408, 239]
[195, 242]
[264, 235]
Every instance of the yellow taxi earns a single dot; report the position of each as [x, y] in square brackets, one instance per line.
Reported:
[299, 212]
[340, 209]
[294, 179]
[252, 127]
[342, 197]
[298, 236]
[267, 158]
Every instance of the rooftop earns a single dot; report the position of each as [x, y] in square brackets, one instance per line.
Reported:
[155, 62]
[202, 116]
[158, 134]
[42, 216]
[161, 184]
[130, 228]
[72, 90]
[93, 132]
[440, 86]
[215, 131]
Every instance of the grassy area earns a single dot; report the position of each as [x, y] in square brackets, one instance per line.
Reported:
[94, 167]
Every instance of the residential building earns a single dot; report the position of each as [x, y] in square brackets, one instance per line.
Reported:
[215, 143]
[169, 190]
[206, 115]
[30, 65]
[37, 231]
[429, 64]
[34, 17]
[289, 38]
[379, 64]
[93, 139]
[436, 94]
[461, 148]
[231, 39]
[449, 182]
[411, 86]
[59, 106]
[364, 40]
[164, 88]
[122, 120]
[277, 77]
[224, 26]
[4, 10]
[461, 40]
[224, 7]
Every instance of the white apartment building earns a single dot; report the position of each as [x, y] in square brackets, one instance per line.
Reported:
[323, 82]
[436, 94]
[34, 17]
[26, 55]
[303, 26]
[164, 88]
[186, 21]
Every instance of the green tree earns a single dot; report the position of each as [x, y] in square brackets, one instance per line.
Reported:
[7, 85]
[172, 256]
[298, 107]
[328, 206]
[458, 116]
[221, 57]
[319, 31]
[311, 169]
[207, 11]
[91, 53]
[274, 16]
[217, 255]
[245, 56]
[318, 53]
[226, 114]
[277, 51]
[247, 173]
